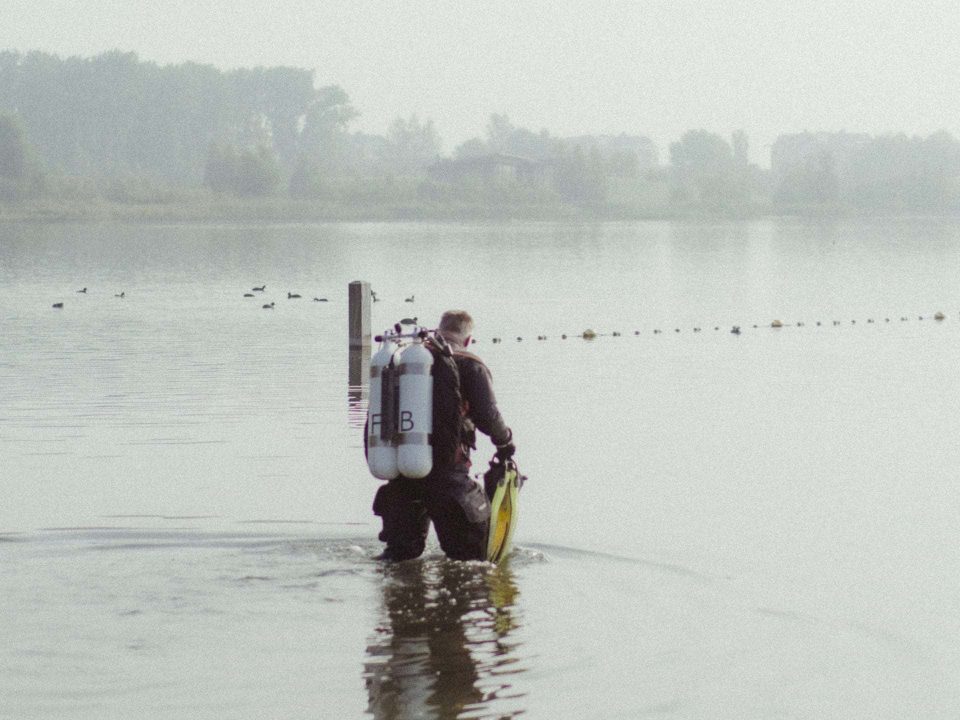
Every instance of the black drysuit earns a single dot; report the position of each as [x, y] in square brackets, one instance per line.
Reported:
[448, 496]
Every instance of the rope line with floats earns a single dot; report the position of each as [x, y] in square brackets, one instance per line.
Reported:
[590, 334]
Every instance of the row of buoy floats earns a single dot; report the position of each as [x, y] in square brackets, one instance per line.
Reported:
[590, 334]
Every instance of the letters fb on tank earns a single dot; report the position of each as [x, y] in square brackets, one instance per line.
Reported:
[401, 406]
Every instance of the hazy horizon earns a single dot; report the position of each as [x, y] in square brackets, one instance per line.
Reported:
[648, 67]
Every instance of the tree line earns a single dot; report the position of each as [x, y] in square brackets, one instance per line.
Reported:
[115, 127]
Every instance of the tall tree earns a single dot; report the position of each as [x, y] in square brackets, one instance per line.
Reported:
[741, 149]
[221, 168]
[705, 172]
[323, 142]
[700, 152]
[814, 182]
[14, 153]
[19, 175]
[116, 114]
[581, 178]
[413, 144]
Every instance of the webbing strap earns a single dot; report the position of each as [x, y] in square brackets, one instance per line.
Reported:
[414, 438]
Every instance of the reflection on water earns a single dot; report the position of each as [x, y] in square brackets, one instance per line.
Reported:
[444, 645]
[357, 385]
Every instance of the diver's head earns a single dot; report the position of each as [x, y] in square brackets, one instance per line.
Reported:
[456, 326]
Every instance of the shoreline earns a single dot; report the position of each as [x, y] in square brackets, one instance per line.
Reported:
[272, 210]
[284, 210]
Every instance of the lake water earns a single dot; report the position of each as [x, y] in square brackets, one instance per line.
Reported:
[760, 525]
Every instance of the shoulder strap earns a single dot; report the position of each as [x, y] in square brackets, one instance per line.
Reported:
[448, 406]
[470, 356]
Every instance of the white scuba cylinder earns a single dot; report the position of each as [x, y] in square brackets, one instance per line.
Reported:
[415, 421]
[381, 412]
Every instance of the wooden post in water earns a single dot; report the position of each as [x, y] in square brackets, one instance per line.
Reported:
[359, 313]
[358, 318]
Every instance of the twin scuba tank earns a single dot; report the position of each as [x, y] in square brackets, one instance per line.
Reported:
[400, 412]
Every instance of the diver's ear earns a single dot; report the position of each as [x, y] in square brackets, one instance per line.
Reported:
[467, 339]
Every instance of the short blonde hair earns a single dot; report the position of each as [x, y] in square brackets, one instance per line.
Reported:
[456, 326]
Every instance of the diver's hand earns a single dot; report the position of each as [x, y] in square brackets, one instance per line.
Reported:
[505, 452]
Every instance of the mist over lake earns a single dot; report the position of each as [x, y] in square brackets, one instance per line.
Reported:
[751, 525]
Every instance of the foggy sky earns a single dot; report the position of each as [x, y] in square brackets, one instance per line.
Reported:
[653, 67]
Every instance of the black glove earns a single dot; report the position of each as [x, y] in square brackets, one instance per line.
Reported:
[505, 452]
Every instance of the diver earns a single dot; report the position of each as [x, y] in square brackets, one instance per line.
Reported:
[447, 496]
